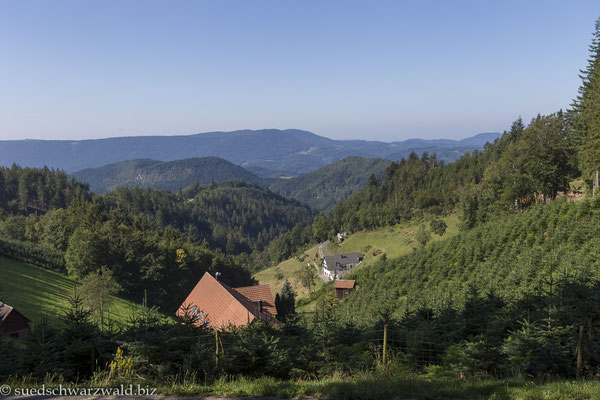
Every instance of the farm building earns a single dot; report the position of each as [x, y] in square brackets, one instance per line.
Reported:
[217, 306]
[343, 288]
[13, 323]
[338, 266]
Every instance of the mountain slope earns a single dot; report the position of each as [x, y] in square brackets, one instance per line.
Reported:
[511, 257]
[324, 188]
[293, 151]
[23, 282]
[172, 175]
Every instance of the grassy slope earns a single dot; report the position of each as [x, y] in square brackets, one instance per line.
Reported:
[288, 270]
[394, 241]
[36, 292]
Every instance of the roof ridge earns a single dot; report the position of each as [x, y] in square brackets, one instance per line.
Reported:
[252, 286]
[243, 300]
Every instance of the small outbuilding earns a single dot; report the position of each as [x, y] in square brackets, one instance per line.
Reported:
[13, 323]
[343, 288]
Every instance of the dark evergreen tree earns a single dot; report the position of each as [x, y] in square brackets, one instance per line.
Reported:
[586, 118]
[438, 227]
[285, 302]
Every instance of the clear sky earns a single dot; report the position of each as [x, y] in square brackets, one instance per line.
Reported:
[386, 70]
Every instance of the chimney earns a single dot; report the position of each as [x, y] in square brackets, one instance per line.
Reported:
[217, 274]
[260, 307]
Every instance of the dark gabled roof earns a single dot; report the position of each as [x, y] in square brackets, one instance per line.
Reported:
[342, 259]
[5, 311]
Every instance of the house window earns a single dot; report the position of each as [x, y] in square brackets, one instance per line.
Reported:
[14, 335]
[193, 310]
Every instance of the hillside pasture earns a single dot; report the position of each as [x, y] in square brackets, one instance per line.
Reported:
[394, 241]
[39, 293]
[275, 276]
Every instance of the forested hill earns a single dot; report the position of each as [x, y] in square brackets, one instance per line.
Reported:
[172, 175]
[328, 185]
[292, 151]
[55, 223]
[527, 164]
[321, 189]
[147, 237]
[32, 190]
[509, 295]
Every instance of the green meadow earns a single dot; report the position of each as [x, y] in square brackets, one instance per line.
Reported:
[394, 241]
[37, 292]
[276, 276]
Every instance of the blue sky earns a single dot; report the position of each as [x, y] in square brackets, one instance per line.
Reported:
[384, 70]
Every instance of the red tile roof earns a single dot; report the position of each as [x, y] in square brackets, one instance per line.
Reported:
[259, 292]
[222, 306]
[344, 284]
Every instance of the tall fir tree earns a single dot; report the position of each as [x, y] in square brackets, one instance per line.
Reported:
[586, 115]
[285, 302]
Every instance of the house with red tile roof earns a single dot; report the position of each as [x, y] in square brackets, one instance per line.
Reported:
[215, 305]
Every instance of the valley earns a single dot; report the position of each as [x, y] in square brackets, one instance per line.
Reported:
[281, 264]
[393, 241]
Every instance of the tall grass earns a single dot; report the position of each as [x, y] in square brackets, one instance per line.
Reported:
[364, 386]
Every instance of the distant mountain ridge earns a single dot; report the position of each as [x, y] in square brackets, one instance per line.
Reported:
[291, 151]
[169, 175]
[324, 188]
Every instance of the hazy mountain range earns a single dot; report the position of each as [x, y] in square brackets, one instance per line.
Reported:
[267, 150]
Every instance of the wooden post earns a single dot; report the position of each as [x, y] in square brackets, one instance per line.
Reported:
[579, 352]
[216, 347]
[92, 358]
[384, 358]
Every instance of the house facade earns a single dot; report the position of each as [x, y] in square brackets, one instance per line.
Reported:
[13, 323]
[339, 265]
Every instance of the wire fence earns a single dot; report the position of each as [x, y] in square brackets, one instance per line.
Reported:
[385, 345]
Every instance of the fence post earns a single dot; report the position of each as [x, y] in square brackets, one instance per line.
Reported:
[579, 352]
[216, 347]
[384, 358]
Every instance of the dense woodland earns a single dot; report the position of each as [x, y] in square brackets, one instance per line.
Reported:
[526, 165]
[516, 293]
[170, 175]
[507, 297]
[327, 186]
[59, 224]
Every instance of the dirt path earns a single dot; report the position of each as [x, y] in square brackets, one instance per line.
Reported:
[324, 250]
